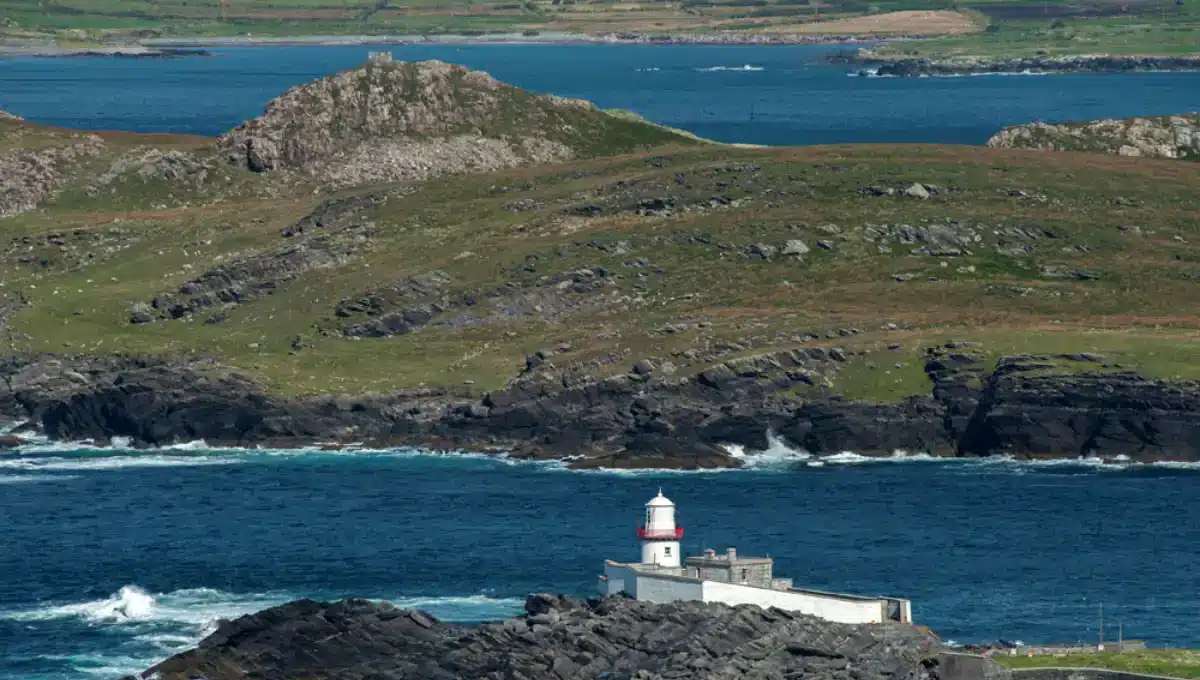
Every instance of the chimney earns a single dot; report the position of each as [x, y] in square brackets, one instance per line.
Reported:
[731, 554]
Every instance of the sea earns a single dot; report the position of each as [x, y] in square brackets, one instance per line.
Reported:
[112, 559]
[776, 95]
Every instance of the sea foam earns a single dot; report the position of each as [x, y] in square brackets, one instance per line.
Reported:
[743, 67]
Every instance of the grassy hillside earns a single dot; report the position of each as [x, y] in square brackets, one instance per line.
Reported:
[703, 250]
[1174, 663]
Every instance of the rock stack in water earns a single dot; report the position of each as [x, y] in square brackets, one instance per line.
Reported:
[557, 638]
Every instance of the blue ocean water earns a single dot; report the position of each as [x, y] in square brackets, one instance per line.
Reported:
[112, 560]
[778, 95]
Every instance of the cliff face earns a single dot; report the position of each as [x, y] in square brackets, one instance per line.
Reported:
[1164, 137]
[388, 121]
[557, 639]
[1062, 406]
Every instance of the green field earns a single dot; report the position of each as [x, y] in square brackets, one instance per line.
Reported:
[1176, 663]
[1049, 265]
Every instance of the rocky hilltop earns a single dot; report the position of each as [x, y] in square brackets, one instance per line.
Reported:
[388, 121]
[558, 638]
[1162, 137]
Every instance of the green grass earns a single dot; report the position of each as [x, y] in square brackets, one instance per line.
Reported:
[1172, 34]
[1138, 313]
[1176, 663]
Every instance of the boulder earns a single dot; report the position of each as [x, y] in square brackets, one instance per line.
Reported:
[917, 191]
[795, 247]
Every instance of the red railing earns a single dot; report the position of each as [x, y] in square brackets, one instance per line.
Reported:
[643, 532]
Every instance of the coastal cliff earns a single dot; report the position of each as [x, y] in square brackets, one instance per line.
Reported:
[558, 638]
[1161, 137]
[1064, 406]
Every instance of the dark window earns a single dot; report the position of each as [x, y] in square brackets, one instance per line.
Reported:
[666, 551]
[743, 574]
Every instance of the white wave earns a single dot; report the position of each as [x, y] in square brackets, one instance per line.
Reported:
[777, 454]
[118, 462]
[193, 608]
[649, 69]
[34, 479]
[743, 67]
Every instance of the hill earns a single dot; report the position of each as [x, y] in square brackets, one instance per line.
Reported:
[1161, 137]
[637, 308]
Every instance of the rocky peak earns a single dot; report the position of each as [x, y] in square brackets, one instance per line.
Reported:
[387, 121]
[1161, 137]
[5, 115]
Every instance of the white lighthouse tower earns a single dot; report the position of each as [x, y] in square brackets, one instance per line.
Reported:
[659, 535]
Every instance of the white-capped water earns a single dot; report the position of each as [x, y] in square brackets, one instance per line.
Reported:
[743, 67]
[149, 627]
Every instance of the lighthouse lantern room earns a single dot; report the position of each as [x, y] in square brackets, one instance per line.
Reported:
[659, 535]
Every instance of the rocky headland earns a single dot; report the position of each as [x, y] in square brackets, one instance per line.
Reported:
[589, 286]
[1158, 137]
[898, 66]
[1064, 406]
[558, 638]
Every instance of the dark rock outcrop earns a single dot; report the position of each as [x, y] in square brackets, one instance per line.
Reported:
[558, 638]
[1041, 64]
[1059, 406]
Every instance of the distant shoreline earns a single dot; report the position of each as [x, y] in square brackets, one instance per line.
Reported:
[171, 48]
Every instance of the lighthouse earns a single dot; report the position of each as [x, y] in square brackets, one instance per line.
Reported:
[659, 535]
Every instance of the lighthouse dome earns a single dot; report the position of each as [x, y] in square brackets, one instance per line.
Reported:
[660, 501]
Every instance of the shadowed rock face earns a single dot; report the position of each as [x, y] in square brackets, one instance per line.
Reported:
[557, 639]
[1163, 137]
[410, 121]
[1063, 406]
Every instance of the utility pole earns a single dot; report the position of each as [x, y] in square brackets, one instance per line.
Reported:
[1120, 636]
[1101, 626]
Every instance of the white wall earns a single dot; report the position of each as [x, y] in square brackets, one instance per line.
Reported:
[660, 589]
[662, 553]
[828, 608]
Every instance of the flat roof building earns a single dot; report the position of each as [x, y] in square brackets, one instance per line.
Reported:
[665, 575]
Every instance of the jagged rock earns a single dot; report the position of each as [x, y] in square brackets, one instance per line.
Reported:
[558, 638]
[1063, 405]
[389, 121]
[8, 441]
[1162, 137]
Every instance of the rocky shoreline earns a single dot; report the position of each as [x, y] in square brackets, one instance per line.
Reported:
[49, 51]
[558, 638]
[877, 66]
[1060, 406]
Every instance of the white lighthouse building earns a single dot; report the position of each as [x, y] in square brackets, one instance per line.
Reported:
[665, 575]
[659, 535]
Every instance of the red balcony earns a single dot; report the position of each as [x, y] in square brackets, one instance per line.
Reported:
[675, 535]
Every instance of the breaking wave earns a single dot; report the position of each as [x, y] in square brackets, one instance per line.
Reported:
[743, 67]
[149, 627]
